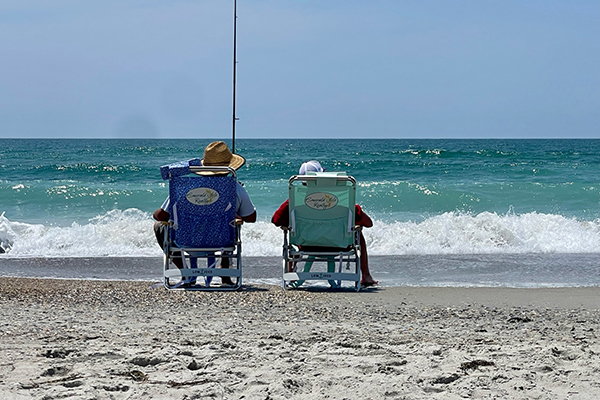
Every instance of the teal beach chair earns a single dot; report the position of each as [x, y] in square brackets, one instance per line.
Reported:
[322, 230]
[202, 228]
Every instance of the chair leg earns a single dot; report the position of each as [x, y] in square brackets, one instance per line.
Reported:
[331, 268]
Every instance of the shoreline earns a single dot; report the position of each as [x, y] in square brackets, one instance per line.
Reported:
[124, 339]
[466, 270]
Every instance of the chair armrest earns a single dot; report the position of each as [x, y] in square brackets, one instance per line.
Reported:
[239, 221]
[358, 228]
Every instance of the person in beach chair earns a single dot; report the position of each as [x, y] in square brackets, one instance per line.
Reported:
[321, 222]
[201, 219]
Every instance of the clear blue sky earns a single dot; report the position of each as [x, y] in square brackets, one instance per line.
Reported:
[306, 69]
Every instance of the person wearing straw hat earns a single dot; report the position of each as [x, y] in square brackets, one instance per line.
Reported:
[216, 154]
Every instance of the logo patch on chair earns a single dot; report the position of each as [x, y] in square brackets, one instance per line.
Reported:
[202, 196]
[321, 201]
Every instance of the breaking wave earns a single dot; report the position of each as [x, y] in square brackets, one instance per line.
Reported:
[124, 233]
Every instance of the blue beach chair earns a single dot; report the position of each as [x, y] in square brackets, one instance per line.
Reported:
[322, 230]
[202, 228]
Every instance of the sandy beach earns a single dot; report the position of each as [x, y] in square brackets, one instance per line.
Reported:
[129, 340]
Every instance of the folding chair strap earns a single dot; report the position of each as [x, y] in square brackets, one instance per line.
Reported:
[293, 220]
[174, 217]
[350, 211]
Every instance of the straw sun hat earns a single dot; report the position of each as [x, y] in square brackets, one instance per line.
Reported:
[217, 154]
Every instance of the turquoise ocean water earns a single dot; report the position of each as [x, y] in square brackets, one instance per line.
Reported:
[428, 198]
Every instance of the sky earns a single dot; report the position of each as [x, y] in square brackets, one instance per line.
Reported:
[306, 69]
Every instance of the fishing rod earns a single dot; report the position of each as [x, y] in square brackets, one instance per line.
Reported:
[234, 72]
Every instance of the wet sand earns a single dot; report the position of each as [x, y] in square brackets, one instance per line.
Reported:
[128, 340]
[463, 270]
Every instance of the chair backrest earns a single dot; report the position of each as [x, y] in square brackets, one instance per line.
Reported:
[322, 209]
[203, 208]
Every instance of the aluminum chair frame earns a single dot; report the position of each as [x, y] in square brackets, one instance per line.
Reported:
[186, 278]
[293, 255]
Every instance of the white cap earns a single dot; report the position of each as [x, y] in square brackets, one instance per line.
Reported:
[310, 166]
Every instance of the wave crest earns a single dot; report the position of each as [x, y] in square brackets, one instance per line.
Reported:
[485, 233]
[123, 233]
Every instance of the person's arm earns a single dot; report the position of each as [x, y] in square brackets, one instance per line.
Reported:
[246, 212]
[161, 215]
[281, 217]
[250, 218]
[362, 218]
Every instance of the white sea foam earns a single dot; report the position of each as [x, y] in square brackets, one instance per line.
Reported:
[129, 233]
[117, 233]
[485, 233]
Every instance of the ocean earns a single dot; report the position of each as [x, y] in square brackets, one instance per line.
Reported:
[446, 212]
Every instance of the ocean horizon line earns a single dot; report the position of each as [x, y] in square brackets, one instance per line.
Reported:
[304, 138]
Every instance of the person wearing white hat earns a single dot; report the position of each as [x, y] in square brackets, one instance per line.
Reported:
[216, 154]
[310, 166]
[281, 218]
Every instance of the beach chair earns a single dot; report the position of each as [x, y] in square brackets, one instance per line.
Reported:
[202, 228]
[321, 231]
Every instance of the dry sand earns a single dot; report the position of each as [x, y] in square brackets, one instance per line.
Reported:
[126, 340]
